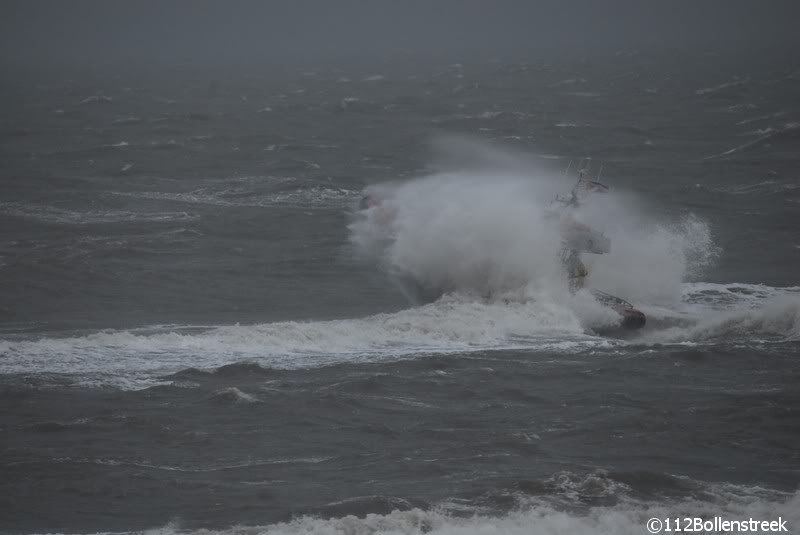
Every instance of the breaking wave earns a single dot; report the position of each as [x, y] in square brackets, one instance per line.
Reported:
[493, 229]
[776, 320]
[591, 505]
[132, 359]
[484, 237]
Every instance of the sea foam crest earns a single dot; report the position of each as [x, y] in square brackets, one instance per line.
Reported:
[537, 517]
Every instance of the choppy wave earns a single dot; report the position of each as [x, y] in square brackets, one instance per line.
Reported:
[594, 504]
[584, 94]
[127, 359]
[84, 247]
[96, 99]
[126, 120]
[138, 358]
[761, 118]
[189, 468]
[169, 144]
[767, 187]
[735, 295]
[770, 134]
[52, 214]
[720, 87]
[310, 197]
[776, 320]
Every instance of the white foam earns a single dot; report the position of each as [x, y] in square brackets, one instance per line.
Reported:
[168, 144]
[489, 229]
[489, 114]
[131, 119]
[733, 295]
[720, 87]
[132, 359]
[234, 395]
[648, 263]
[762, 187]
[96, 98]
[455, 324]
[769, 133]
[776, 320]
[534, 517]
[481, 235]
[485, 231]
[761, 118]
[245, 192]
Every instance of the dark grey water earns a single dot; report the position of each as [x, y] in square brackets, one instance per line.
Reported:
[190, 338]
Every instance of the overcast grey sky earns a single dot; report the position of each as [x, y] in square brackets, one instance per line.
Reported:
[321, 30]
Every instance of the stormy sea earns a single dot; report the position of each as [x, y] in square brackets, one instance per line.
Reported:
[205, 326]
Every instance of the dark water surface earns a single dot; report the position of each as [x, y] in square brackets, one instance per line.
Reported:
[189, 340]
